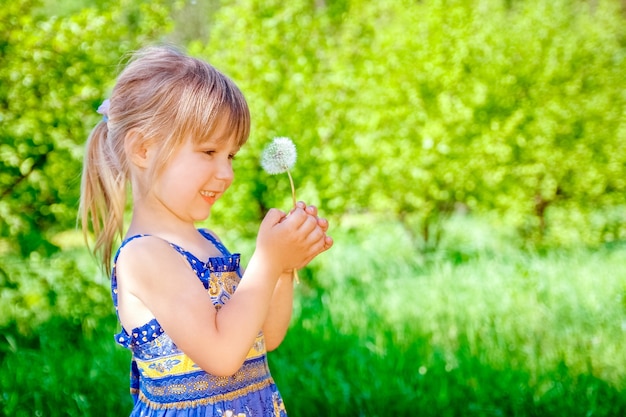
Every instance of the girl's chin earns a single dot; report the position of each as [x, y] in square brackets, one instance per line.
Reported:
[205, 215]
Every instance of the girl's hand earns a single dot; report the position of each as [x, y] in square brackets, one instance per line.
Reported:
[292, 241]
[321, 222]
[312, 210]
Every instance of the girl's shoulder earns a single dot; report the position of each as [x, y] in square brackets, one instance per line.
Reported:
[147, 239]
[145, 266]
[142, 249]
[141, 242]
[145, 251]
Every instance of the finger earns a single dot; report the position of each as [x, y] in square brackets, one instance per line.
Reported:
[309, 225]
[275, 216]
[298, 215]
[317, 241]
[300, 205]
[323, 223]
[312, 210]
[317, 248]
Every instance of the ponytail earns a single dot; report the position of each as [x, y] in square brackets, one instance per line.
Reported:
[103, 194]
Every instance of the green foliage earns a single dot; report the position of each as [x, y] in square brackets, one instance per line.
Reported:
[412, 109]
[54, 72]
[419, 109]
[65, 286]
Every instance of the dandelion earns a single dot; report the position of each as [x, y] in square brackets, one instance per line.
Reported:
[279, 157]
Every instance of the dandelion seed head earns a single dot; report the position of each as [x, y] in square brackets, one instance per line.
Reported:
[279, 156]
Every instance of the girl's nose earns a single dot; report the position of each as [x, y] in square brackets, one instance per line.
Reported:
[225, 171]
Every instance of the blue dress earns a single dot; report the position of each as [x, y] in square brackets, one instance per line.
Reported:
[165, 382]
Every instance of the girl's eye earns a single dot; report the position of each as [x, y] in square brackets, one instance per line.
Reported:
[213, 152]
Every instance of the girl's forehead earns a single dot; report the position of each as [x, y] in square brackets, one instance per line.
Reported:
[222, 127]
[222, 131]
[217, 138]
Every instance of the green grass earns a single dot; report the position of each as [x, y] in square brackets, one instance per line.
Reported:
[60, 371]
[478, 328]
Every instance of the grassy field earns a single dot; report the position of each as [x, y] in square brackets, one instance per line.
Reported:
[478, 328]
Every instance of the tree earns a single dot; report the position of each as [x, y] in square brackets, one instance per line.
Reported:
[410, 110]
[414, 110]
[54, 72]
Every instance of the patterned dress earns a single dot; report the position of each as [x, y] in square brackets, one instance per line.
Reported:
[165, 382]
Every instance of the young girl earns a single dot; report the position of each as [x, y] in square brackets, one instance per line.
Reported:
[198, 330]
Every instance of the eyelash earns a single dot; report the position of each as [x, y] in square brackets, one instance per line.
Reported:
[231, 156]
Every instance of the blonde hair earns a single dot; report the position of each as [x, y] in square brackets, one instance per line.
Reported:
[166, 96]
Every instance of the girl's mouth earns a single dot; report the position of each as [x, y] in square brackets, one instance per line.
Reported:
[209, 196]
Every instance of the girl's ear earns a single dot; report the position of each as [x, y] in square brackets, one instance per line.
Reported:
[136, 148]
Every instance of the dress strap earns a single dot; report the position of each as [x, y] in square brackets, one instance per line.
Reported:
[218, 244]
[124, 243]
[113, 274]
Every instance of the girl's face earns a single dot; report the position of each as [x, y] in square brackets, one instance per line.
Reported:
[196, 176]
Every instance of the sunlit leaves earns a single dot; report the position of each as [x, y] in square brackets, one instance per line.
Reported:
[422, 108]
[55, 70]
[408, 108]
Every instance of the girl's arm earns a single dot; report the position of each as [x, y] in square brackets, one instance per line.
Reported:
[279, 314]
[155, 279]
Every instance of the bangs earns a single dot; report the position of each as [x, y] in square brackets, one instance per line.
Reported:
[210, 103]
[205, 127]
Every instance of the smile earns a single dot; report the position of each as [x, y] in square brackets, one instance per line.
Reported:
[210, 194]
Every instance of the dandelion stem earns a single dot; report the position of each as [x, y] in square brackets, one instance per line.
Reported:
[293, 196]
[293, 189]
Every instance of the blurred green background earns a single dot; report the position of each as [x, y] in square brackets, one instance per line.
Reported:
[471, 156]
